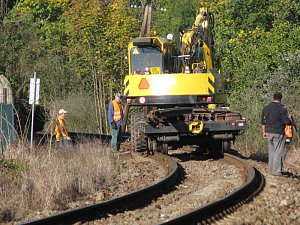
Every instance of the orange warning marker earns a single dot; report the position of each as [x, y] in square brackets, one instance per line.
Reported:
[143, 84]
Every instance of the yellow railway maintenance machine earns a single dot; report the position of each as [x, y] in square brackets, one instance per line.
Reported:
[183, 95]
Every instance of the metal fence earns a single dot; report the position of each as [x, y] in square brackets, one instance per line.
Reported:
[7, 132]
[7, 126]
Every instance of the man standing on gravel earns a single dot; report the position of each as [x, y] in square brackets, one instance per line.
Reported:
[273, 119]
[115, 119]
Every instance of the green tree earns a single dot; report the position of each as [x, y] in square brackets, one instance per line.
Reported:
[174, 16]
[253, 41]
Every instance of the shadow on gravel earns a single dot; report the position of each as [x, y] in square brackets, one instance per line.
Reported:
[187, 156]
[256, 157]
[260, 158]
[291, 175]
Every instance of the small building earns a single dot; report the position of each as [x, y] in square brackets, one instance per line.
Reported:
[7, 125]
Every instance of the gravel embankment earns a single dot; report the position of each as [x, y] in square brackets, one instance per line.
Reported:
[202, 181]
[278, 203]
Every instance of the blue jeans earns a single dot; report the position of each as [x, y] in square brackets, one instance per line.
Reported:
[276, 145]
[64, 144]
[116, 138]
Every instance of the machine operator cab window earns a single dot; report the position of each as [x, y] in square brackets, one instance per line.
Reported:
[150, 55]
[198, 68]
[146, 60]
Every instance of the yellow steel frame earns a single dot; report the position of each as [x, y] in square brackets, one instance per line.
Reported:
[170, 84]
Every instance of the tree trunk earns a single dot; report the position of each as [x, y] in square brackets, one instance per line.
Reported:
[3, 8]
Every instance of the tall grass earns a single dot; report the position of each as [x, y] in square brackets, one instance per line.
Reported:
[49, 179]
[250, 102]
[251, 143]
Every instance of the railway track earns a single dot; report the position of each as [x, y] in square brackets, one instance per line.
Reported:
[253, 182]
[215, 210]
[119, 204]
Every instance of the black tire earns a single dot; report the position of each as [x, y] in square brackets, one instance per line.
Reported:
[139, 139]
[132, 133]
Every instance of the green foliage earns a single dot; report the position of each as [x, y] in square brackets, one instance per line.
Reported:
[178, 15]
[254, 39]
[11, 167]
[70, 44]
[115, 43]
[80, 46]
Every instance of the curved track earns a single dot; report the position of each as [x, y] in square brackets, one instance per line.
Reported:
[213, 211]
[123, 203]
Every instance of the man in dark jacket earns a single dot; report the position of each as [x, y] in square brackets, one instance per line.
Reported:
[273, 119]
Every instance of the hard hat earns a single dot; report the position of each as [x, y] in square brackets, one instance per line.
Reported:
[187, 69]
[62, 111]
[170, 37]
[118, 95]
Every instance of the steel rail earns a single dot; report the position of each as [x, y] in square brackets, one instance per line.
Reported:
[118, 204]
[77, 137]
[210, 212]
[216, 210]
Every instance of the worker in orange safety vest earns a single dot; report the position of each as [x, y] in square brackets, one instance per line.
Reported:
[115, 119]
[62, 137]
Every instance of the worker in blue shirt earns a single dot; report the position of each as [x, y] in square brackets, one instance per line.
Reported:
[274, 118]
[116, 121]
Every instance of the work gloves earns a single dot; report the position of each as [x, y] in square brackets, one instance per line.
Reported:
[113, 125]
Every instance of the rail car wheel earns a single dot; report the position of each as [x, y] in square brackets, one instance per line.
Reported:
[216, 149]
[165, 148]
[139, 141]
[159, 146]
[154, 145]
[219, 148]
[226, 145]
[150, 146]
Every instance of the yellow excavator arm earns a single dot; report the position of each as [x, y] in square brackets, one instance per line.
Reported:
[197, 41]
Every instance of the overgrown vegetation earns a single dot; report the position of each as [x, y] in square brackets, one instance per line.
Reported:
[78, 48]
[45, 179]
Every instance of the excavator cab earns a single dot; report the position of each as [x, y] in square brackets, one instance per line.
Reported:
[151, 55]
